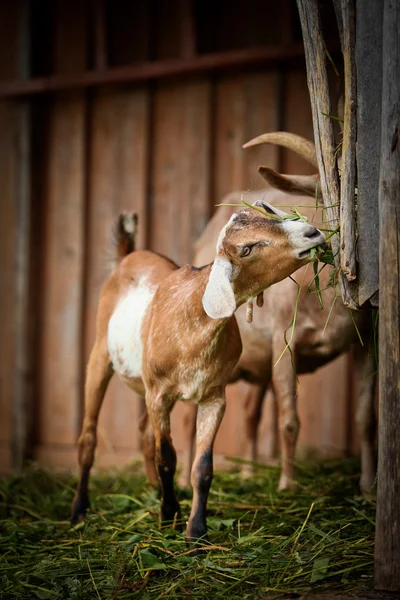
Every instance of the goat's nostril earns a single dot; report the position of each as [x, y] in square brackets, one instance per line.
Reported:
[311, 231]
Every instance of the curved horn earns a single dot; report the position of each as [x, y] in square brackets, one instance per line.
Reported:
[305, 185]
[297, 143]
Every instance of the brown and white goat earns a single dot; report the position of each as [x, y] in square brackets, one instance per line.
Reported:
[170, 334]
[317, 338]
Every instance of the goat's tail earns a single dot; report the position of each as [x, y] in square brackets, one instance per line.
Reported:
[125, 234]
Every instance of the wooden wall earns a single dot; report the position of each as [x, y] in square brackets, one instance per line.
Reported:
[168, 150]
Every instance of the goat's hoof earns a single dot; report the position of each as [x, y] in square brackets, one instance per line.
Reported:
[197, 546]
[171, 515]
[80, 506]
[286, 483]
[196, 537]
[272, 461]
[367, 485]
[247, 472]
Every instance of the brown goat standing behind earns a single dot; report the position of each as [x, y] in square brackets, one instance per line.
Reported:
[316, 340]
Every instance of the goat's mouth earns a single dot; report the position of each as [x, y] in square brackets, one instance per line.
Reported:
[313, 252]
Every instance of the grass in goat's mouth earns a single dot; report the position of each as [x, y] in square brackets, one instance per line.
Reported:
[306, 253]
[318, 537]
[324, 255]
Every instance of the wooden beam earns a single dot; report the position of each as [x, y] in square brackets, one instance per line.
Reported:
[348, 171]
[387, 538]
[154, 70]
[317, 78]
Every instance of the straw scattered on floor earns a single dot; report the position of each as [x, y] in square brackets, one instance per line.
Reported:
[264, 544]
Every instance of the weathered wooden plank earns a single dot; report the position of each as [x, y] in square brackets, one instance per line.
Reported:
[117, 183]
[348, 168]
[16, 252]
[337, 4]
[369, 93]
[70, 36]
[387, 538]
[127, 21]
[181, 170]
[23, 323]
[8, 120]
[246, 107]
[323, 127]
[100, 36]
[60, 368]
[295, 94]
[9, 14]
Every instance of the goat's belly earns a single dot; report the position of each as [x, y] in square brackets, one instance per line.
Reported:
[312, 362]
[125, 345]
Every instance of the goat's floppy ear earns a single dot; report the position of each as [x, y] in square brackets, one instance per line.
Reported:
[219, 300]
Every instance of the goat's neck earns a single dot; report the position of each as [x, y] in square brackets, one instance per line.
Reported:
[245, 289]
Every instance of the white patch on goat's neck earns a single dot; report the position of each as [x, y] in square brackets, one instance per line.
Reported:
[125, 344]
[222, 234]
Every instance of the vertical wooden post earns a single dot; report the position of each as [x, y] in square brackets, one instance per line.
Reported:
[348, 176]
[369, 97]
[387, 546]
[317, 78]
[22, 392]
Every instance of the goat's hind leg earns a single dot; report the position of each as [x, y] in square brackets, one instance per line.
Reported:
[99, 372]
[284, 386]
[365, 374]
[189, 435]
[149, 449]
[253, 407]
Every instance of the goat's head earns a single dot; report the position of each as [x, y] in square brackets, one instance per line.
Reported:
[257, 247]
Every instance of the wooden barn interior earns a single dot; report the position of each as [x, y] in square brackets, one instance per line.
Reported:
[114, 105]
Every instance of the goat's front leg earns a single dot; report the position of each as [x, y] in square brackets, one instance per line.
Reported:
[365, 375]
[99, 372]
[284, 386]
[159, 409]
[209, 416]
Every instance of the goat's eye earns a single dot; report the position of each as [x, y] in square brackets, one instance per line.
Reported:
[246, 251]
